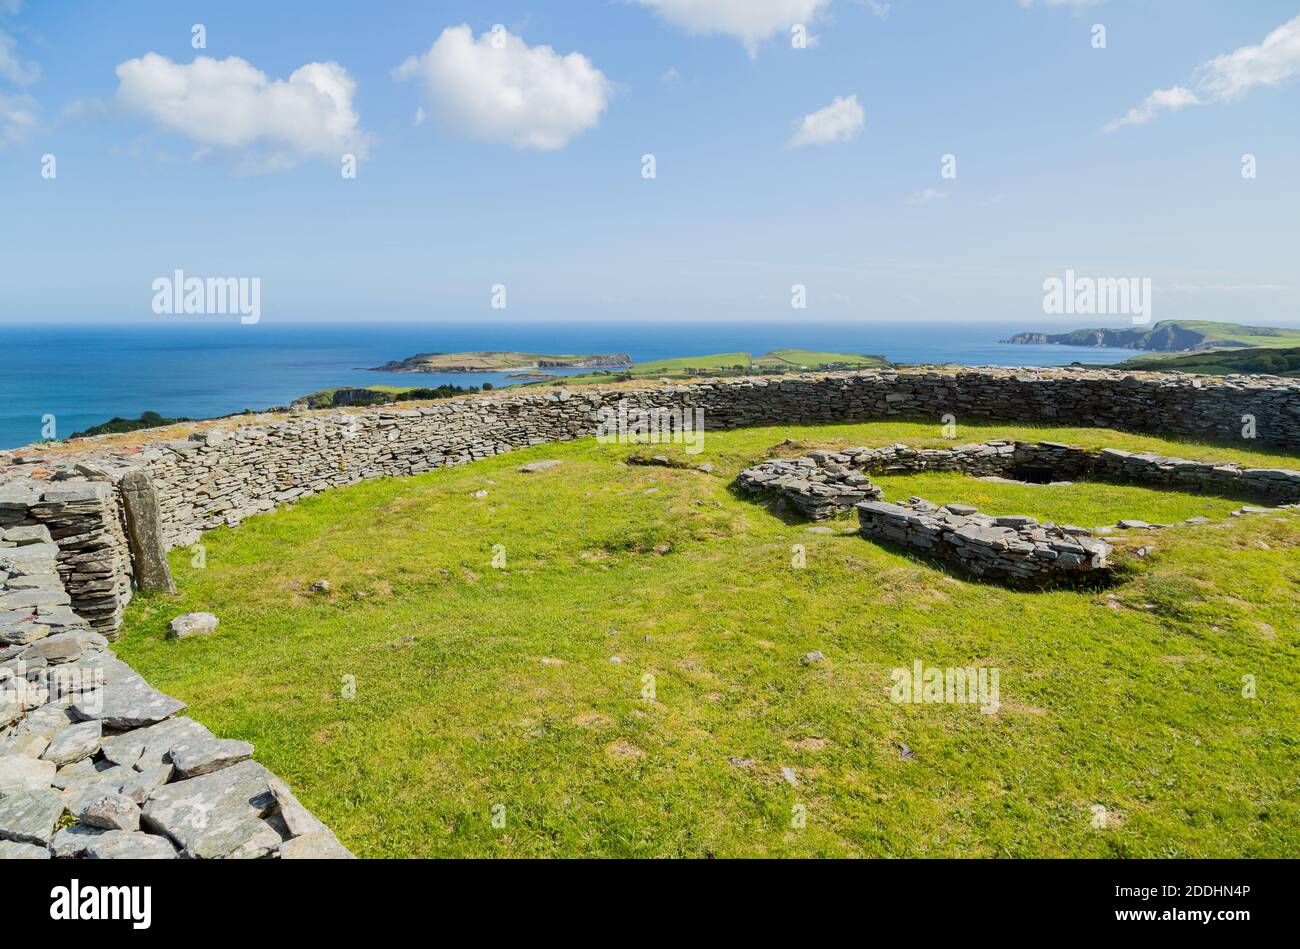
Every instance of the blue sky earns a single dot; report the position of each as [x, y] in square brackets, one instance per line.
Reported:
[151, 180]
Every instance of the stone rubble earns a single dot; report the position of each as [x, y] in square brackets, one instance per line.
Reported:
[82, 735]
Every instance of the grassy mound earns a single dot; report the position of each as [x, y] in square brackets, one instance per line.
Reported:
[632, 682]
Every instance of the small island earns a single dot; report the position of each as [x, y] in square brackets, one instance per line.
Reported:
[501, 362]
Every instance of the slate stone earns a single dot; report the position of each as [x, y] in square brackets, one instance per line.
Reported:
[72, 841]
[218, 814]
[65, 647]
[297, 819]
[195, 756]
[536, 466]
[144, 532]
[129, 702]
[140, 785]
[23, 633]
[151, 746]
[74, 775]
[74, 743]
[129, 845]
[318, 845]
[23, 773]
[30, 816]
[111, 812]
[12, 850]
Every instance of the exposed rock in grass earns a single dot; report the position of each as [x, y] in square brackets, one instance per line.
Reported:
[192, 624]
[535, 466]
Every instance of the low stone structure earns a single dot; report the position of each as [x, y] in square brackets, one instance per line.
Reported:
[818, 485]
[1017, 551]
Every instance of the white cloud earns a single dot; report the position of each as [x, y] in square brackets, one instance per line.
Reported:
[1228, 77]
[877, 8]
[231, 105]
[750, 21]
[1170, 100]
[12, 68]
[17, 118]
[926, 196]
[500, 89]
[1232, 75]
[840, 121]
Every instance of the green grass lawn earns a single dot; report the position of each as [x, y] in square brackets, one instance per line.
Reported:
[477, 687]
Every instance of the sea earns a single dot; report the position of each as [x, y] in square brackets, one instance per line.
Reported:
[57, 379]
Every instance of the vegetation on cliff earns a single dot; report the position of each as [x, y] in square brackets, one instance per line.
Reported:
[118, 425]
[1276, 362]
[382, 395]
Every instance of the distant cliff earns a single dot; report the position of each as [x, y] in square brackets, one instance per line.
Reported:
[1170, 336]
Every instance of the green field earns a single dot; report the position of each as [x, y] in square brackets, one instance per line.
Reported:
[1271, 360]
[779, 360]
[529, 687]
[1240, 333]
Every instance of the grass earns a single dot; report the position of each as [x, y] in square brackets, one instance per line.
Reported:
[792, 360]
[1273, 361]
[1238, 332]
[1129, 699]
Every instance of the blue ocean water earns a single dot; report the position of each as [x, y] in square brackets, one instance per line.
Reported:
[90, 373]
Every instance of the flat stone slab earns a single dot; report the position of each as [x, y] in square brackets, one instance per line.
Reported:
[29, 816]
[129, 845]
[196, 756]
[13, 850]
[21, 773]
[74, 743]
[218, 814]
[536, 466]
[129, 702]
[151, 746]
